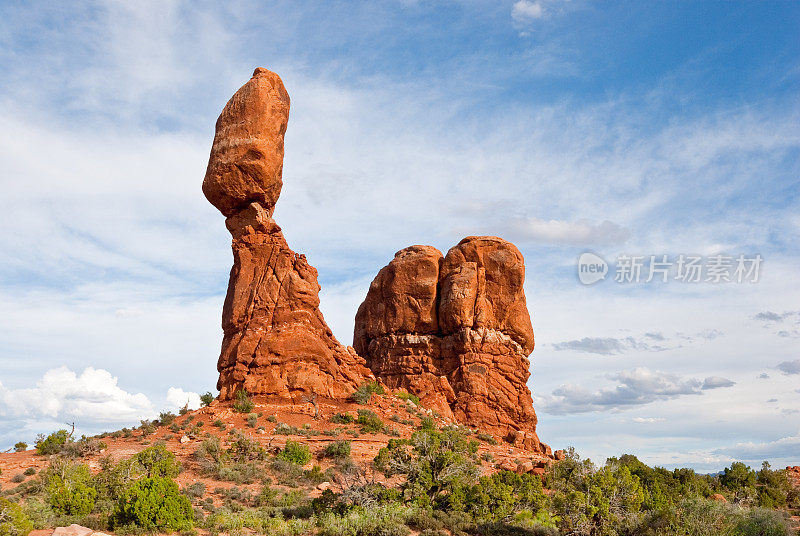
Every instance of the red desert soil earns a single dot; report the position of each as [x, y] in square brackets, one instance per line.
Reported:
[364, 447]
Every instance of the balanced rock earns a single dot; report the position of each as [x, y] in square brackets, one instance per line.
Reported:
[246, 160]
[276, 341]
[456, 332]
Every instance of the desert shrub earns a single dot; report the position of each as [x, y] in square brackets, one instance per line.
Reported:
[236, 464]
[369, 421]
[219, 424]
[398, 419]
[166, 418]
[436, 464]
[737, 476]
[206, 398]
[243, 404]
[157, 461]
[342, 418]
[252, 419]
[19, 477]
[286, 429]
[338, 449]
[315, 475]
[52, 443]
[486, 438]
[427, 423]
[69, 488]
[773, 487]
[664, 489]
[30, 471]
[762, 522]
[85, 446]
[700, 517]
[364, 393]
[601, 501]
[740, 480]
[20, 447]
[147, 427]
[244, 449]
[113, 477]
[259, 521]
[403, 395]
[498, 497]
[287, 473]
[241, 473]
[237, 498]
[615, 498]
[377, 520]
[153, 503]
[13, 520]
[210, 455]
[196, 490]
[295, 452]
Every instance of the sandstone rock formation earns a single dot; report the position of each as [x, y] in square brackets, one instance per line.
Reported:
[276, 341]
[456, 332]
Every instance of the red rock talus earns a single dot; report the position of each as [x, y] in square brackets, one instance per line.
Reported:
[276, 341]
[456, 332]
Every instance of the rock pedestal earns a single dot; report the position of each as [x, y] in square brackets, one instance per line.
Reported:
[276, 341]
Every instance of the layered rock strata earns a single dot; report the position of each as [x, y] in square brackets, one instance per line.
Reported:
[455, 331]
[276, 341]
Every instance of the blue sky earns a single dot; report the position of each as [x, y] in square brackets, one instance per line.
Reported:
[564, 126]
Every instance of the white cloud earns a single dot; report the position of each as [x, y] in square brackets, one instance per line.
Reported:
[114, 256]
[783, 448]
[634, 387]
[525, 10]
[178, 398]
[770, 316]
[648, 420]
[94, 395]
[606, 345]
[790, 367]
[581, 233]
[716, 382]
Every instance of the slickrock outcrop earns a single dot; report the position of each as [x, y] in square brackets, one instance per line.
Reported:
[276, 341]
[456, 332]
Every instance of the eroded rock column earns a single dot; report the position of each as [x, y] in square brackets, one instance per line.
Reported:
[456, 332]
[276, 341]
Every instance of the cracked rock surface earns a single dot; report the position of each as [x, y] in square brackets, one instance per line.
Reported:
[276, 341]
[455, 331]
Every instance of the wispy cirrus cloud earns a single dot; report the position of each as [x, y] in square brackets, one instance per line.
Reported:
[581, 233]
[606, 345]
[648, 342]
[450, 129]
